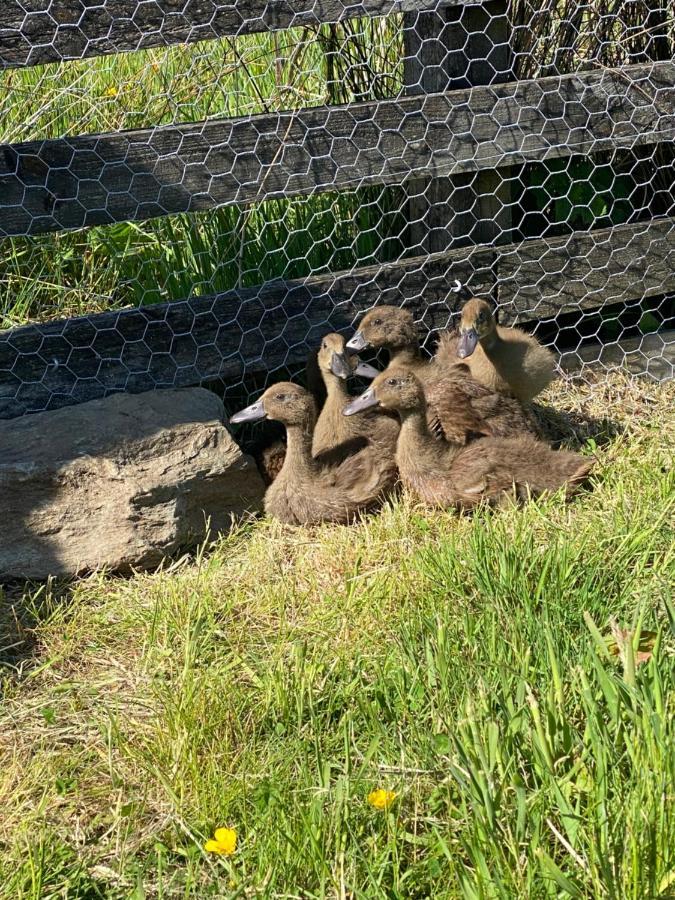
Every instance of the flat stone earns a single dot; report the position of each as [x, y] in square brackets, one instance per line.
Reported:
[120, 482]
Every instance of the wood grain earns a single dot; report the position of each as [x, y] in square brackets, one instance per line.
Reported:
[33, 32]
[238, 333]
[447, 49]
[99, 179]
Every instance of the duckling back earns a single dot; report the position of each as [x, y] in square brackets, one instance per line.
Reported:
[459, 407]
[516, 363]
[492, 468]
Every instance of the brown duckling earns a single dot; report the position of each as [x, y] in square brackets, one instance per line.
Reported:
[334, 487]
[445, 473]
[507, 360]
[270, 456]
[269, 459]
[459, 407]
[336, 365]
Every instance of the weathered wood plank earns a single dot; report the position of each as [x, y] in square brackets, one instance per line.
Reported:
[33, 32]
[262, 329]
[99, 179]
[447, 49]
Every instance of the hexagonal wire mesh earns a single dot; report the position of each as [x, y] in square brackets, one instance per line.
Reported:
[277, 175]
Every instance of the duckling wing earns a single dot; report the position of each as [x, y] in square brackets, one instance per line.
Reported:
[485, 412]
[364, 477]
[503, 416]
[496, 466]
[450, 411]
[346, 450]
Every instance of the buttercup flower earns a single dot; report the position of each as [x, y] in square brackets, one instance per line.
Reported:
[111, 92]
[224, 842]
[381, 799]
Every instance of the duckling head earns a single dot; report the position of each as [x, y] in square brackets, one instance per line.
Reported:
[284, 402]
[477, 322]
[334, 359]
[395, 388]
[385, 326]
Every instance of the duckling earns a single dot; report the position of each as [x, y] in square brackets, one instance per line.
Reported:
[459, 407]
[333, 488]
[445, 473]
[394, 329]
[332, 428]
[507, 360]
[269, 457]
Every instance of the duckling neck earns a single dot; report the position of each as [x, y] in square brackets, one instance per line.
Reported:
[491, 343]
[415, 435]
[405, 356]
[336, 389]
[417, 447]
[299, 460]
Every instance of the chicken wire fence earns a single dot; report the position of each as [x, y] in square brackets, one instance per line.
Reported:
[194, 191]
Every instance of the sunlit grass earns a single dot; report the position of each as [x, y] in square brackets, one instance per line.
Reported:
[272, 683]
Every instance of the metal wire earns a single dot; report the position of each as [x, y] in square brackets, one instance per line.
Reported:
[577, 243]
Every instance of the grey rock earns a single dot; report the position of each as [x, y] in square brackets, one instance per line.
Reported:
[120, 482]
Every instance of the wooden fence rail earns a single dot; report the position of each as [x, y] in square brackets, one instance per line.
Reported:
[33, 32]
[122, 176]
[423, 139]
[256, 329]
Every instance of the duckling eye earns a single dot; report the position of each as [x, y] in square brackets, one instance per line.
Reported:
[377, 321]
[281, 397]
[324, 345]
[392, 382]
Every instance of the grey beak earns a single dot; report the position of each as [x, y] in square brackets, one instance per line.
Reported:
[339, 365]
[358, 342]
[251, 414]
[366, 371]
[467, 343]
[365, 401]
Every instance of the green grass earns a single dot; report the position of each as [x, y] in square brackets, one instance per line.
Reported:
[273, 681]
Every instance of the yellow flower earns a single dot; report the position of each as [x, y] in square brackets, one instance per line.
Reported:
[381, 799]
[111, 92]
[224, 841]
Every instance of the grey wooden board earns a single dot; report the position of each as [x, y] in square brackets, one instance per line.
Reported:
[262, 329]
[447, 49]
[98, 179]
[650, 356]
[34, 32]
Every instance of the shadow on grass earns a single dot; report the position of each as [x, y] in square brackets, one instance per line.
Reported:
[22, 606]
[572, 430]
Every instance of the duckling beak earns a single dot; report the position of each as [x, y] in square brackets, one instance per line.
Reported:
[251, 414]
[339, 365]
[358, 342]
[365, 401]
[366, 371]
[467, 343]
